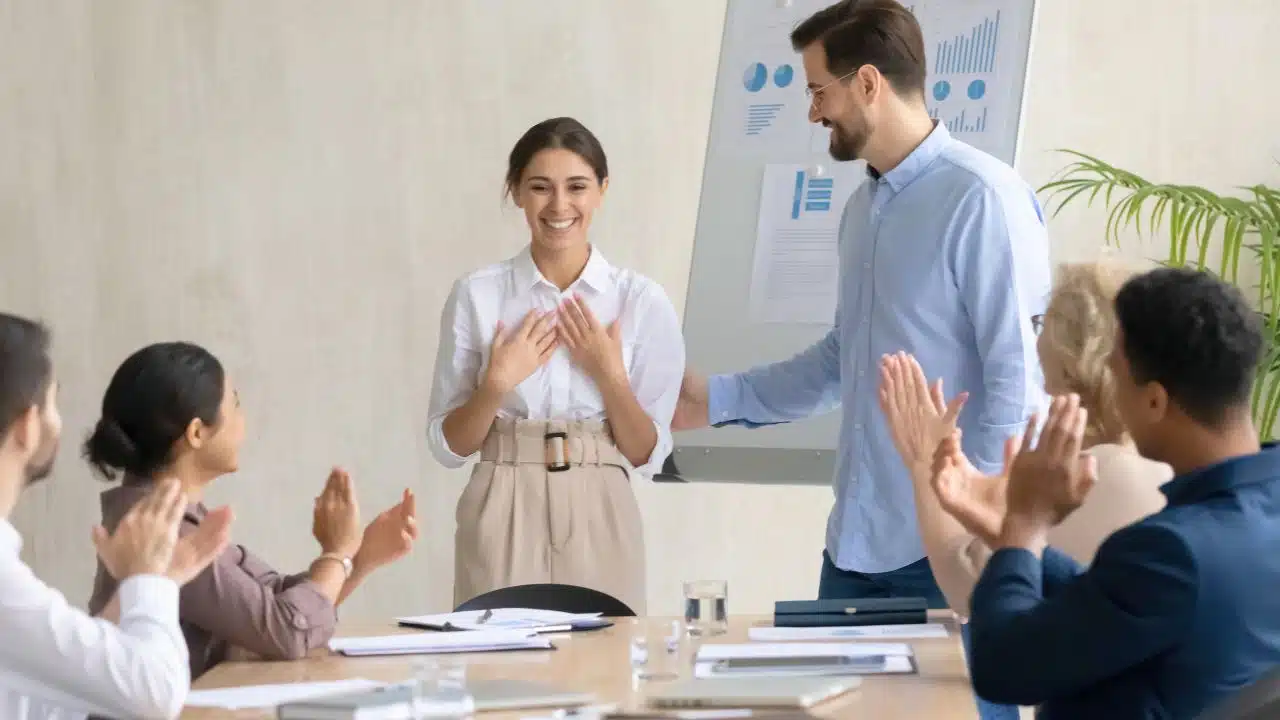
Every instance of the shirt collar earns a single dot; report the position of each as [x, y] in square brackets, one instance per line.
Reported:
[1224, 477]
[914, 164]
[133, 489]
[10, 540]
[598, 274]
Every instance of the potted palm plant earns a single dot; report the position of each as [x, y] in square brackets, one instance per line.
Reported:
[1204, 230]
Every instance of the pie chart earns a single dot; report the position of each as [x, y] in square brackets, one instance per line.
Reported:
[755, 77]
[783, 76]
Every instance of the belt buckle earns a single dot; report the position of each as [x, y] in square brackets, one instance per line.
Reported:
[557, 452]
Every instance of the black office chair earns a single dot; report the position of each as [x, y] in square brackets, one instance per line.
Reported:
[1258, 701]
[550, 596]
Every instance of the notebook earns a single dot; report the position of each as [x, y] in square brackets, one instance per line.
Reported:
[433, 643]
[541, 621]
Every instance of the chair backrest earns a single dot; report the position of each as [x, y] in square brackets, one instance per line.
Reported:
[1258, 701]
[550, 596]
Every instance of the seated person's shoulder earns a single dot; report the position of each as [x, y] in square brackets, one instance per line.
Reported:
[1157, 540]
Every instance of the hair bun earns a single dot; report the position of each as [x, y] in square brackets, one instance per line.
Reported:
[110, 450]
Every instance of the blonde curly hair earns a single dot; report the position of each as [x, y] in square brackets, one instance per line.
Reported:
[1077, 334]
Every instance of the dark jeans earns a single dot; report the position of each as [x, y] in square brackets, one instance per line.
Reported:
[914, 580]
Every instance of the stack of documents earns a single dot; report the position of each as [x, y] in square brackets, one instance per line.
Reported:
[433, 643]
[808, 659]
[541, 621]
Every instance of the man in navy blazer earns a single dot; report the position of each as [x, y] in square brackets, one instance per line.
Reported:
[1177, 611]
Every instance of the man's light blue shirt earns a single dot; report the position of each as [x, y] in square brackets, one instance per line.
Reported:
[946, 256]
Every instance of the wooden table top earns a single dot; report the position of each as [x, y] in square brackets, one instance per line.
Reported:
[598, 662]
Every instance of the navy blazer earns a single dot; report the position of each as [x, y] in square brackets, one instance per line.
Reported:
[1177, 611]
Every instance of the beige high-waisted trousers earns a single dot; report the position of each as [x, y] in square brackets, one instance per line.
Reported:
[550, 502]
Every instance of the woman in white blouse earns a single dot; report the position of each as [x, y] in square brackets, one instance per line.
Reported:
[1075, 337]
[561, 372]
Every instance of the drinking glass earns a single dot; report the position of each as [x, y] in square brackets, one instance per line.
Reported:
[706, 607]
[440, 690]
[654, 650]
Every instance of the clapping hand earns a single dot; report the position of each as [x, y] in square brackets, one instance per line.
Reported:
[195, 550]
[596, 348]
[391, 534]
[144, 540]
[975, 500]
[918, 415]
[336, 519]
[1049, 481]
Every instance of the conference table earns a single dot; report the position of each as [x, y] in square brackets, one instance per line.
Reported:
[598, 662]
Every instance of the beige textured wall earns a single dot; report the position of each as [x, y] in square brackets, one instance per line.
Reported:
[296, 183]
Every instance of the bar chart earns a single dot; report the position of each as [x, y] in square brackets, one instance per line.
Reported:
[813, 194]
[972, 53]
[964, 122]
[760, 116]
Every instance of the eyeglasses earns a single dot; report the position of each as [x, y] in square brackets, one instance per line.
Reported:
[815, 95]
[1037, 323]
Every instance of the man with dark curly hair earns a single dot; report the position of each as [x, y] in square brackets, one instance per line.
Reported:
[1177, 611]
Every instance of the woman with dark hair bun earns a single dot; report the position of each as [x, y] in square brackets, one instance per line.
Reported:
[559, 371]
[171, 411]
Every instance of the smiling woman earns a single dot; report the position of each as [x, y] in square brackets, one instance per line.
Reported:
[561, 373]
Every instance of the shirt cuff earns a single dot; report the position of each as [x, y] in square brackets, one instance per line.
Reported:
[440, 446]
[1006, 564]
[724, 399]
[658, 457]
[154, 596]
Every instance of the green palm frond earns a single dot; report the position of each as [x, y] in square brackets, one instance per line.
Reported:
[1194, 221]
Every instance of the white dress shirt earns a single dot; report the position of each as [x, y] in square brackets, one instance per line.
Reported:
[57, 662]
[652, 347]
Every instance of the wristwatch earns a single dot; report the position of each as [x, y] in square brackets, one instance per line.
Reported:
[344, 560]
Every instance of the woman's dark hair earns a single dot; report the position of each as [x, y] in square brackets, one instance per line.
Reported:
[556, 133]
[152, 398]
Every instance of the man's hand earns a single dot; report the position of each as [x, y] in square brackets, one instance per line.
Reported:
[692, 408]
[975, 500]
[195, 550]
[1048, 482]
[143, 542]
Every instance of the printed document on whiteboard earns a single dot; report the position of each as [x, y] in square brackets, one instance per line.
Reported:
[796, 265]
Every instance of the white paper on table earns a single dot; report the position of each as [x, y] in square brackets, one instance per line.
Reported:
[501, 618]
[268, 696]
[795, 269]
[727, 651]
[878, 632]
[440, 642]
[891, 665]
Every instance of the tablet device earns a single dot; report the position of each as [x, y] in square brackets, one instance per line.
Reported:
[787, 692]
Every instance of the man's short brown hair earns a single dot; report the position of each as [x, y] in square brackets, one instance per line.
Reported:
[881, 33]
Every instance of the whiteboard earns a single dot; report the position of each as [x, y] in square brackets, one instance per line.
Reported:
[977, 51]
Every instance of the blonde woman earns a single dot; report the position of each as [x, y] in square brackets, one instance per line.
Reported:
[1075, 337]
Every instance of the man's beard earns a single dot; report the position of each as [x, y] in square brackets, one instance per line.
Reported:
[847, 146]
[40, 469]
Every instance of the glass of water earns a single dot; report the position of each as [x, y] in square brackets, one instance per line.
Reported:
[706, 607]
[440, 690]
